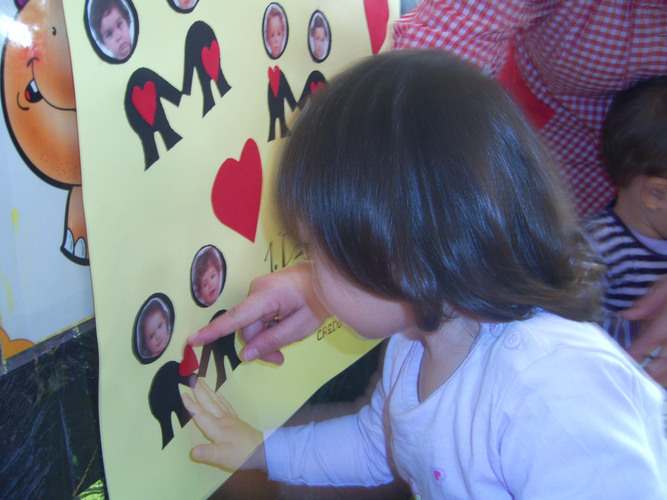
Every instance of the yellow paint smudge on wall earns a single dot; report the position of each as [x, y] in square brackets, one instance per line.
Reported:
[14, 214]
[8, 291]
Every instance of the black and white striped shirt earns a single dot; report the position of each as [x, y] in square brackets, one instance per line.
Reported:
[632, 268]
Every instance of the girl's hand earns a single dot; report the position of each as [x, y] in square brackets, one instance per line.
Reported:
[650, 348]
[280, 309]
[233, 441]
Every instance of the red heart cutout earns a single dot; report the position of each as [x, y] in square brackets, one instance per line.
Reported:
[274, 80]
[314, 87]
[237, 191]
[377, 17]
[145, 101]
[210, 57]
[189, 363]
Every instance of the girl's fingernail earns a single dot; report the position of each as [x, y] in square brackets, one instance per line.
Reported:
[250, 354]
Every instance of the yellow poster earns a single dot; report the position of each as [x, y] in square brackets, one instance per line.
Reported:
[182, 108]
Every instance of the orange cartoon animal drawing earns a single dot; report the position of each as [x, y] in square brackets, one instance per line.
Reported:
[40, 110]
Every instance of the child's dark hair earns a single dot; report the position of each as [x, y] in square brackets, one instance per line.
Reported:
[318, 22]
[418, 179]
[101, 8]
[634, 137]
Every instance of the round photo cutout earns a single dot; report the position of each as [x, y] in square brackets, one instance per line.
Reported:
[275, 30]
[319, 37]
[183, 6]
[207, 275]
[113, 28]
[153, 327]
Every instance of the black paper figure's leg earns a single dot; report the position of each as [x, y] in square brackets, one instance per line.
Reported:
[203, 362]
[169, 135]
[224, 346]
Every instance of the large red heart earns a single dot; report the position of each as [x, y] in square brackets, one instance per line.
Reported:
[189, 363]
[237, 191]
[145, 101]
[274, 80]
[377, 17]
[210, 57]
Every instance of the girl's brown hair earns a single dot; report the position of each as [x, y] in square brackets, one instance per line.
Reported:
[420, 181]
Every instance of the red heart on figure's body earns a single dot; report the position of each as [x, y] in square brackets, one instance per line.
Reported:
[274, 80]
[377, 17]
[145, 102]
[210, 57]
[237, 191]
[189, 363]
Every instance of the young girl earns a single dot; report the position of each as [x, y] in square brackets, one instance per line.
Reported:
[429, 216]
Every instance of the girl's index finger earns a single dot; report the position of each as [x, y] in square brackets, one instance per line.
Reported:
[253, 308]
[206, 399]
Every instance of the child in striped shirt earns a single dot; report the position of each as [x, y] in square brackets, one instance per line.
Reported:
[630, 234]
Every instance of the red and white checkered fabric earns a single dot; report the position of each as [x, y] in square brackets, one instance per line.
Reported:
[571, 55]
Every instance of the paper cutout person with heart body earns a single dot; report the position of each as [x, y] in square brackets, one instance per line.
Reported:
[164, 398]
[220, 348]
[143, 107]
[279, 92]
[314, 82]
[202, 53]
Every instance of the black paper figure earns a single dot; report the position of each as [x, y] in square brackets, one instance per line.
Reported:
[202, 53]
[279, 91]
[314, 82]
[224, 346]
[165, 398]
[144, 111]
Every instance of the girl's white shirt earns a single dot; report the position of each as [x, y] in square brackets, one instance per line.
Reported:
[541, 408]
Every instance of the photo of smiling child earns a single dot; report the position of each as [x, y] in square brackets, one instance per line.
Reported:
[275, 30]
[113, 28]
[208, 275]
[319, 37]
[153, 329]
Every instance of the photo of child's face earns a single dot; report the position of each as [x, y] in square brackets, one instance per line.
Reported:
[156, 333]
[276, 35]
[207, 275]
[209, 286]
[116, 34]
[319, 43]
[186, 4]
[319, 37]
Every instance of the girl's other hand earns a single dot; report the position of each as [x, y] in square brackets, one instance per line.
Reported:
[650, 348]
[233, 441]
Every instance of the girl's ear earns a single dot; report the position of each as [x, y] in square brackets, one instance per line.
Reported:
[653, 193]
